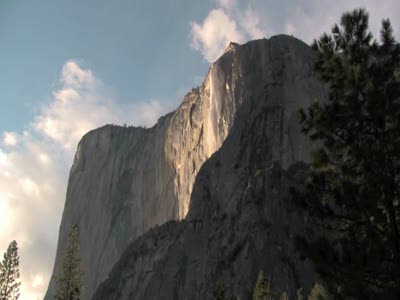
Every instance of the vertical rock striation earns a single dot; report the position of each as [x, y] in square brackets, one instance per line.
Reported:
[125, 181]
[240, 219]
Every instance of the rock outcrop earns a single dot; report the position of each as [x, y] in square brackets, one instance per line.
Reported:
[240, 219]
[125, 181]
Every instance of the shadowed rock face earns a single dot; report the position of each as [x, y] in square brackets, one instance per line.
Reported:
[125, 181]
[240, 219]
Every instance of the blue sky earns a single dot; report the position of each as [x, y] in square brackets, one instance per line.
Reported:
[140, 48]
[69, 66]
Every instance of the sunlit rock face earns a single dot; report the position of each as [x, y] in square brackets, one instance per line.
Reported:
[125, 181]
[240, 218]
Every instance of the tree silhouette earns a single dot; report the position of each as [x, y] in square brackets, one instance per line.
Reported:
[9, 273]
[70, 281]
[352, 192]
[262, 290]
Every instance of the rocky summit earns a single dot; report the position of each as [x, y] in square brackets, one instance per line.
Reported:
[202, 196]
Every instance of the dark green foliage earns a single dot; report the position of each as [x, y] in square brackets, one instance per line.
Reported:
[262, 290]
[352, 192]
[70, 281]
[9, 273]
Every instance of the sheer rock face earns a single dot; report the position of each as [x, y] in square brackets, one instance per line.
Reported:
[240, 219]
[125, 181]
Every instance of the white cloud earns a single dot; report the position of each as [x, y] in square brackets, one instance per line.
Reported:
[309, 19]
[33, 175]
[10, 138]
[227, 4]
[37, 281]
[227, 23]
[72, 75]
[87, 101]
[331, 14]
[238, 21]
[3, 215]
[3, 157]
[250, 21]
[213, 36]
[29, 187]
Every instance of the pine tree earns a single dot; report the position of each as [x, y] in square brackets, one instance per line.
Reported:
[284, 296]
[70, 281]
[262, 290]
[9, 273]
[300, 295]
[352, 191]
[318, 292]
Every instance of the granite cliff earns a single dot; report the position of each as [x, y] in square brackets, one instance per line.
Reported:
[220, 166]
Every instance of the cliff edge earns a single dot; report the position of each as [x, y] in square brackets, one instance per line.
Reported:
[125, 181]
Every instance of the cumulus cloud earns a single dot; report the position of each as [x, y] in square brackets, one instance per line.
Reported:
[227, 23]
[227, 4]
[87, 100]
[238, 21]
[31, 202]
[211, 37]
[10, 138]
[34, 167]
[75, 77]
